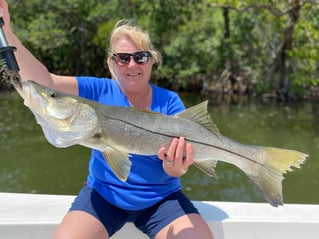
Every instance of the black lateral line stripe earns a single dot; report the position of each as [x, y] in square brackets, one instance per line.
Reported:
[193, 141]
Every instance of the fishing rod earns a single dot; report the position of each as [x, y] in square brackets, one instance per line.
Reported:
[7, 57]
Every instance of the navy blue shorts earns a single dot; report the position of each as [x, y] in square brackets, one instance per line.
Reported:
[150, 220]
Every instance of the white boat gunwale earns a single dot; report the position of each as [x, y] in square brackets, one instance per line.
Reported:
[36, 216]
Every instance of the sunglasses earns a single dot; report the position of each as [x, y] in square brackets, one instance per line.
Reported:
[141, 57]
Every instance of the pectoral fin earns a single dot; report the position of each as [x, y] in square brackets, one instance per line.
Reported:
[118, 161]
[207, 166]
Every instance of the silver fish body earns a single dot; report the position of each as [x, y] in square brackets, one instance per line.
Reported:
[120, 131]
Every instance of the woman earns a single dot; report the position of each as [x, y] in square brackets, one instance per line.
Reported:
[151, 197]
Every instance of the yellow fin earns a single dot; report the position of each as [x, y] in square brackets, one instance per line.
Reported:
[207, 166]
[199, 114]
[269, 178]
[118, 161]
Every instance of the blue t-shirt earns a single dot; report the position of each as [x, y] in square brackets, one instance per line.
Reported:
[147, 182]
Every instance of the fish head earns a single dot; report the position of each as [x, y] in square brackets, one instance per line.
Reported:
[53, 104]
[65, 119]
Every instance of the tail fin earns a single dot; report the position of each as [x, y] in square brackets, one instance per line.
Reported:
[277, 162]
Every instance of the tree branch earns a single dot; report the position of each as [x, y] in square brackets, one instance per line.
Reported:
[273, 10]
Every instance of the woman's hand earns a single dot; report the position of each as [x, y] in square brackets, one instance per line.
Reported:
[178, 157]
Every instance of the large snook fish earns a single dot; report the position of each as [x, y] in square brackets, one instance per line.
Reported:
[119, 131]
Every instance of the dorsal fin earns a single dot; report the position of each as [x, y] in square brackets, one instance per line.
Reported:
[199, 114]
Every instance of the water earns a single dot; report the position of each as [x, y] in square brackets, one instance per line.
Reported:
[29, 164]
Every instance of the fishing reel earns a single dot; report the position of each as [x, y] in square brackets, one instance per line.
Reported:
[8, 60]
[9, 68]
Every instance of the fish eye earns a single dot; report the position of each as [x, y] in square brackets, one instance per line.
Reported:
[53, 94]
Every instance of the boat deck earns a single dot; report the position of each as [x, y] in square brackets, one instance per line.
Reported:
[33, 216]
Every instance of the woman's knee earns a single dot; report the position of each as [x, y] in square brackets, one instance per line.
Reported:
[186, 227]
[78, 224]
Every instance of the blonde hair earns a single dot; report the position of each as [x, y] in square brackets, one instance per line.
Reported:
[140, 37]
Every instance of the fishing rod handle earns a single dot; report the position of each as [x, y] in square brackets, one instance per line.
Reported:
[7, 52]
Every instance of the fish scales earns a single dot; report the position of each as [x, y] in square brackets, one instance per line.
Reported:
[119, 131]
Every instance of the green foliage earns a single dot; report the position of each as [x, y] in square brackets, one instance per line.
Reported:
[195, 38]
[305, 55]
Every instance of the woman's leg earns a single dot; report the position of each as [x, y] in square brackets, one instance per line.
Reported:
[172, 218]
[78, 225]
[188, 226]
[90, 217]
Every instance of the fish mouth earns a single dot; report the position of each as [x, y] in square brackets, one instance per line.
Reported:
[44, 102]
[31, 97]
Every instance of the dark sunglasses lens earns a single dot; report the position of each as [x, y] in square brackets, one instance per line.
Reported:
[141, 57]
[123, 58]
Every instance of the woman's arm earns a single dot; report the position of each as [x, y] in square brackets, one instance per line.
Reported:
[30, 67]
